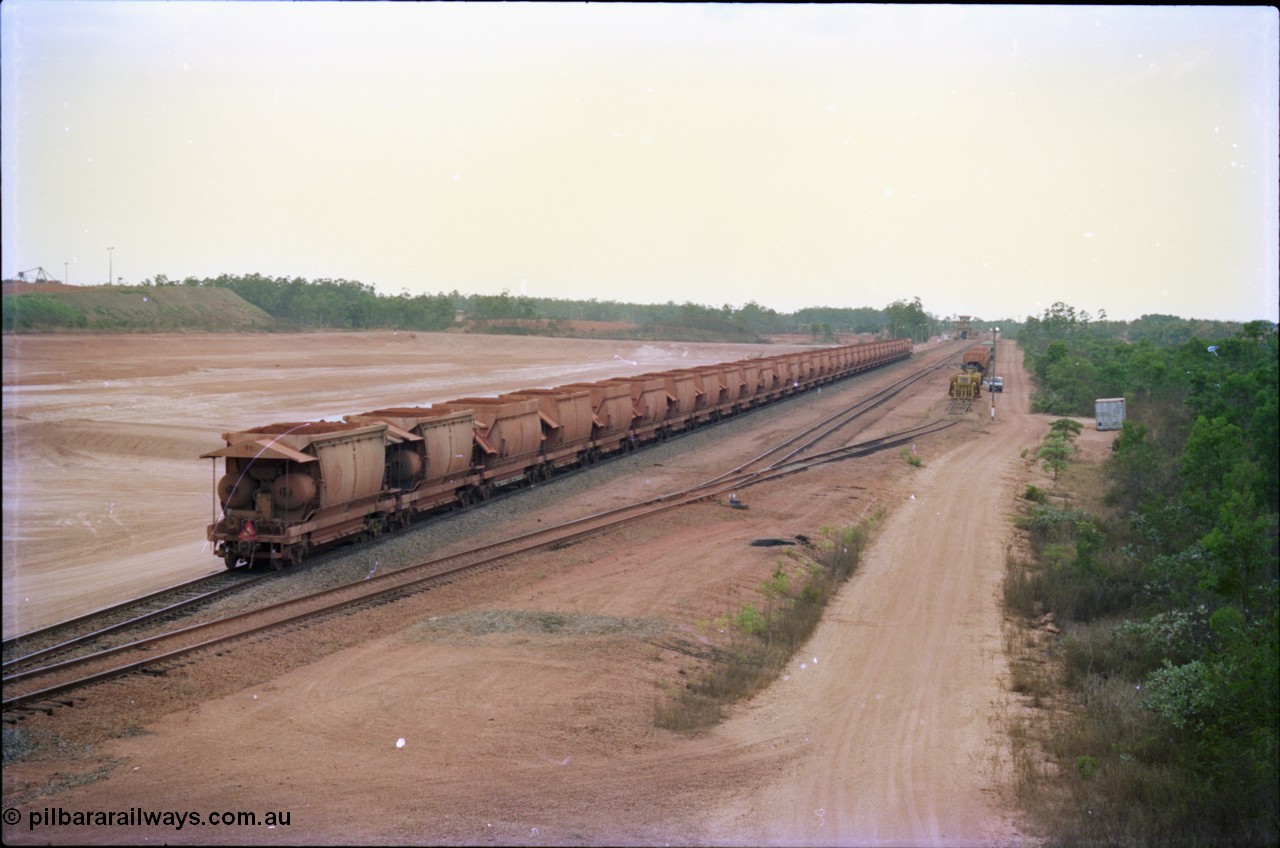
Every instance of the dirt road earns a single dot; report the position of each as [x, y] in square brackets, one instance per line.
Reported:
[525, 699]
[900, 718]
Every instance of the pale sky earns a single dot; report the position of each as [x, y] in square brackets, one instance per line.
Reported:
[990, 160]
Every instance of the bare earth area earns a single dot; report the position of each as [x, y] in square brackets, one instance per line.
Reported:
[105, 497]
[517, 707]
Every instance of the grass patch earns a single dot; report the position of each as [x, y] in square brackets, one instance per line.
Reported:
[767, 634]
[471, 625]
[17, 745]
[31, 743]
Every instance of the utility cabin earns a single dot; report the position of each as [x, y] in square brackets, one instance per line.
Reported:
[1109, 413]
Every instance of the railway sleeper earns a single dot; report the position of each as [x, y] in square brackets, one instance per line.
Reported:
[39, 709]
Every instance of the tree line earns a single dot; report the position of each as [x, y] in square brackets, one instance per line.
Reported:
[296, 303]
[1172, 592]
[348, 304]
[1077, 358]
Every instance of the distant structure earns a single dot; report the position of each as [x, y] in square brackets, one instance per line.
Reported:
[1109, 413]
[42, 276]
[963, 331]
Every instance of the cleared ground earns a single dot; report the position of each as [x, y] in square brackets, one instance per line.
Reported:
[525, 699]
[105, 496]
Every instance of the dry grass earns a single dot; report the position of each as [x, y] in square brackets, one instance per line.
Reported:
[766, 638]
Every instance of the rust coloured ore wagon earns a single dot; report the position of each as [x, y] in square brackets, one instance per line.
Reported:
[977, 359]
[682, 398]
[433, 460]
[612, 411]
[567, 417]
[650, 404]
[289, 486]
[508, 440]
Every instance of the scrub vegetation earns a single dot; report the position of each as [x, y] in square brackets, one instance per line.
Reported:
[1156, 582]
[765, 635]
[292, 304]
[1076, 357]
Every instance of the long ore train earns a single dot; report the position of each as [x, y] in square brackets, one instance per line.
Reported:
[297, 487]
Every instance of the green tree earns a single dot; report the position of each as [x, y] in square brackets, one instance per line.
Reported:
[1055, 451]
[902, 318]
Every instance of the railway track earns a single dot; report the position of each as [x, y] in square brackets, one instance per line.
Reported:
[44, 688]
[93, 628]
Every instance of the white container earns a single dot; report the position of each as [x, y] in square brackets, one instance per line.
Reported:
[1109, 413]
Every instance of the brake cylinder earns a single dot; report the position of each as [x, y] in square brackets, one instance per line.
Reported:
[293, 491]
[235, 491]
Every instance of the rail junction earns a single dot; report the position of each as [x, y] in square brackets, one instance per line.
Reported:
[30, 686]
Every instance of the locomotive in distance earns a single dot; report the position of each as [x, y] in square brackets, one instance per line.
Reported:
[976, 363]
[292, 488]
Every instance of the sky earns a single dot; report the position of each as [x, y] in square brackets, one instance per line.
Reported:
[989, 160]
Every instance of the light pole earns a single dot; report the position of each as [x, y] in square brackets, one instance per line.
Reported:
[109, 269]
[65, 274]
[995, 337]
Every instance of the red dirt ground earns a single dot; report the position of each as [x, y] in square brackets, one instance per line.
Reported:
[525, 698]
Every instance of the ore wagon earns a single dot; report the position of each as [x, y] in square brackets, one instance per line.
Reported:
[507, 438]
[567, 417]
[612, 412]
[289, 487]
[433, 459]
[976, 359]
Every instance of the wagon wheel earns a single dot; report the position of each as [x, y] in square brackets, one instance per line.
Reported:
[293, 555]
[232, 560]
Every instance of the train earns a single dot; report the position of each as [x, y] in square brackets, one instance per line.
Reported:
[293, 488]
[974, 364]
[967, 385]
[977, 359]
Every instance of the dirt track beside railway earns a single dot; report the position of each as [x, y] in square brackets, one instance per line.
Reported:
[525, 700]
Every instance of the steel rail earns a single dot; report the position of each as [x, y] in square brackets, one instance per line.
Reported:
[85, 638]
[403, 580]
[79, 619]
[844, 416]
[492, 553]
